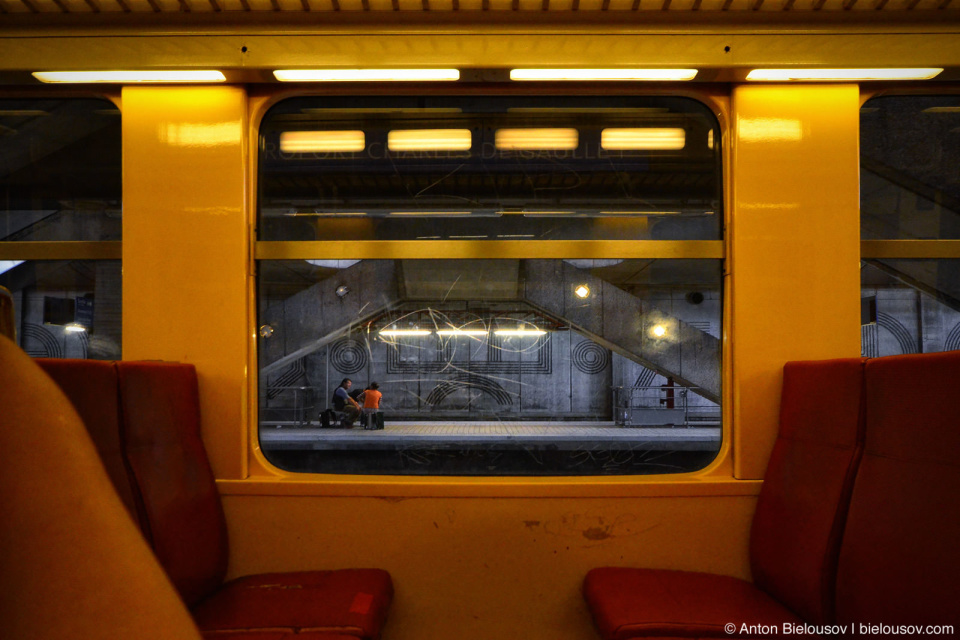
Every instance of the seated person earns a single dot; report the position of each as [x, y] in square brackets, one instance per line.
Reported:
[371, 404]
[342, 402]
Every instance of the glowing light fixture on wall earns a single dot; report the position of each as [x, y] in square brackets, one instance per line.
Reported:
[659, 331]
[74, 327]
[322, 141]
[840, 75]
[367, 75]
[430, 140]
[537, 139]
[643, 139]
[394, 333]
[124, 77]
[461, 332]
[603, 74]
[582, 291]
[519, 332]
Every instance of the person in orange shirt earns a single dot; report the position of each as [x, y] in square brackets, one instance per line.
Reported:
[371, 404]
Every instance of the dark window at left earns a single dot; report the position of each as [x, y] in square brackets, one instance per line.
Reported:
[60, 224]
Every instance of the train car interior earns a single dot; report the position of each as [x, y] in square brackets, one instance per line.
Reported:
[479, 319]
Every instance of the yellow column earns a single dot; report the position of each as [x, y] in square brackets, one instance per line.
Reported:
[795, 246]
[185, 248]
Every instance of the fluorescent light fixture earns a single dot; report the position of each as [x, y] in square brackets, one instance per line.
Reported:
[123, 77]
[940, 110]
[392, 333]
[537, 139]
[333, 264]
[603, 74]
[840, 75]
[461, 332]
[74, 327]
[322, 141]
[519, 332]
[643, 139]
[367, 75]
[546, 214]
[430, 140]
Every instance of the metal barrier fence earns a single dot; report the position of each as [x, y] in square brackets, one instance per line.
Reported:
[659, 406]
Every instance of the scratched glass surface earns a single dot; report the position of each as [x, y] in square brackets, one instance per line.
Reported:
[60, 173]
[507, 168]
[492, 366]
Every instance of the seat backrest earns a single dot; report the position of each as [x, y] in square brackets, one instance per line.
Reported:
[93, 389]
[801, 509]
[72, 562]
[161, 434]
[900, 560]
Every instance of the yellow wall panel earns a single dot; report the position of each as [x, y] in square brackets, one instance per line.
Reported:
[483, 569]
[185, 247]
[795, 246]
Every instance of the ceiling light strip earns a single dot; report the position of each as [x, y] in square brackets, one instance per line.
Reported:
[367, 75]
[840, 75]
[131, 77]
[603, 74]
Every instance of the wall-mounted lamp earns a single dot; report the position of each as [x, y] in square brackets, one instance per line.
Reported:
[342, 291]
[582, 291]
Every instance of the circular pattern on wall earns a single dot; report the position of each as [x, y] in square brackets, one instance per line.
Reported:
[589, 357]
[348, 356]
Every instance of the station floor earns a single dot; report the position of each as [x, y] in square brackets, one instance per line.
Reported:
[561, 435]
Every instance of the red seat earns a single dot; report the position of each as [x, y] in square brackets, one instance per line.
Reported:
[349, 601]
[634, 603]
[796, 529]
[158, 446]
[900, 559]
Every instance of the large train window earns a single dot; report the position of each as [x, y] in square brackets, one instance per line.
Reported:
[910, 224]
[533, 284]
[60, 224]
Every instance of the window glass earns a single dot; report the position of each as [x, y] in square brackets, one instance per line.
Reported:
[60, 173]
[910, 190]
[489, 168]
[66, 308]
[487, 364]
[60, 181]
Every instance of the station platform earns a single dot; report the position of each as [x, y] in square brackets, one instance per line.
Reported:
[559, 435]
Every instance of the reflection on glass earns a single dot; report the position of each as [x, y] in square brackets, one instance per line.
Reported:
[917, 306]
[570, 168]
[493, 366]
[909, 154]
[60, 173]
